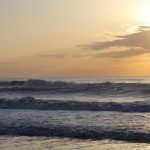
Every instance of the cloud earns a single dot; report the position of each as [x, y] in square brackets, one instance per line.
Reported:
[121, 54]
[139, 39]
[136, 43]
[8, 63]
[141, 28]
[51, 55]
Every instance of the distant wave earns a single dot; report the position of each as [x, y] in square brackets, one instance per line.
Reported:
[71, 87]
[37, 104]
[80, 132]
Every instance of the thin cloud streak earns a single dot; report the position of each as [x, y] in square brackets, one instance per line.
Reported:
[121, 54]
[51, 56]
[8, 63]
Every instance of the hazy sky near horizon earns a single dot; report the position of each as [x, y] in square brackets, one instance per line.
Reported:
[74, 38]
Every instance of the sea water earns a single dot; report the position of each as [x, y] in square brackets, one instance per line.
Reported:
[83, 113]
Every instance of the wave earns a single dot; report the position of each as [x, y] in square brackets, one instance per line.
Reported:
[71, 87]
[38, 104]
[80, 132]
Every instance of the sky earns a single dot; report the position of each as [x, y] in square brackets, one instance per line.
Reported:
[74, 38]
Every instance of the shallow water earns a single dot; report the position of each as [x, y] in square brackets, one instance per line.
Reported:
[38, 143]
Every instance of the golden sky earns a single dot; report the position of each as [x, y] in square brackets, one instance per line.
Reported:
[74, 38]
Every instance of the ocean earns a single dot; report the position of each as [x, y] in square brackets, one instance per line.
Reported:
[75, 114]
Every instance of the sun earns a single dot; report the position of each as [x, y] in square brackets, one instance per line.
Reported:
[145, 14]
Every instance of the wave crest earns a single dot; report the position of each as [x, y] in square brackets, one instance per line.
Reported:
[37, 104]
[71, 87]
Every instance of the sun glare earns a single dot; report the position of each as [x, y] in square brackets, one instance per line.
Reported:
[145, 14]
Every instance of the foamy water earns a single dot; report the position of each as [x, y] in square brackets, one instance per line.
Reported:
[38, 143]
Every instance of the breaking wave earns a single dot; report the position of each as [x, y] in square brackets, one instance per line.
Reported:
[38, 104]
[76, 132]
[71, 87]
[84, 125]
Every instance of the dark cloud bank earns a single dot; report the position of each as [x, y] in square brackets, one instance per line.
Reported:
[137, 43]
